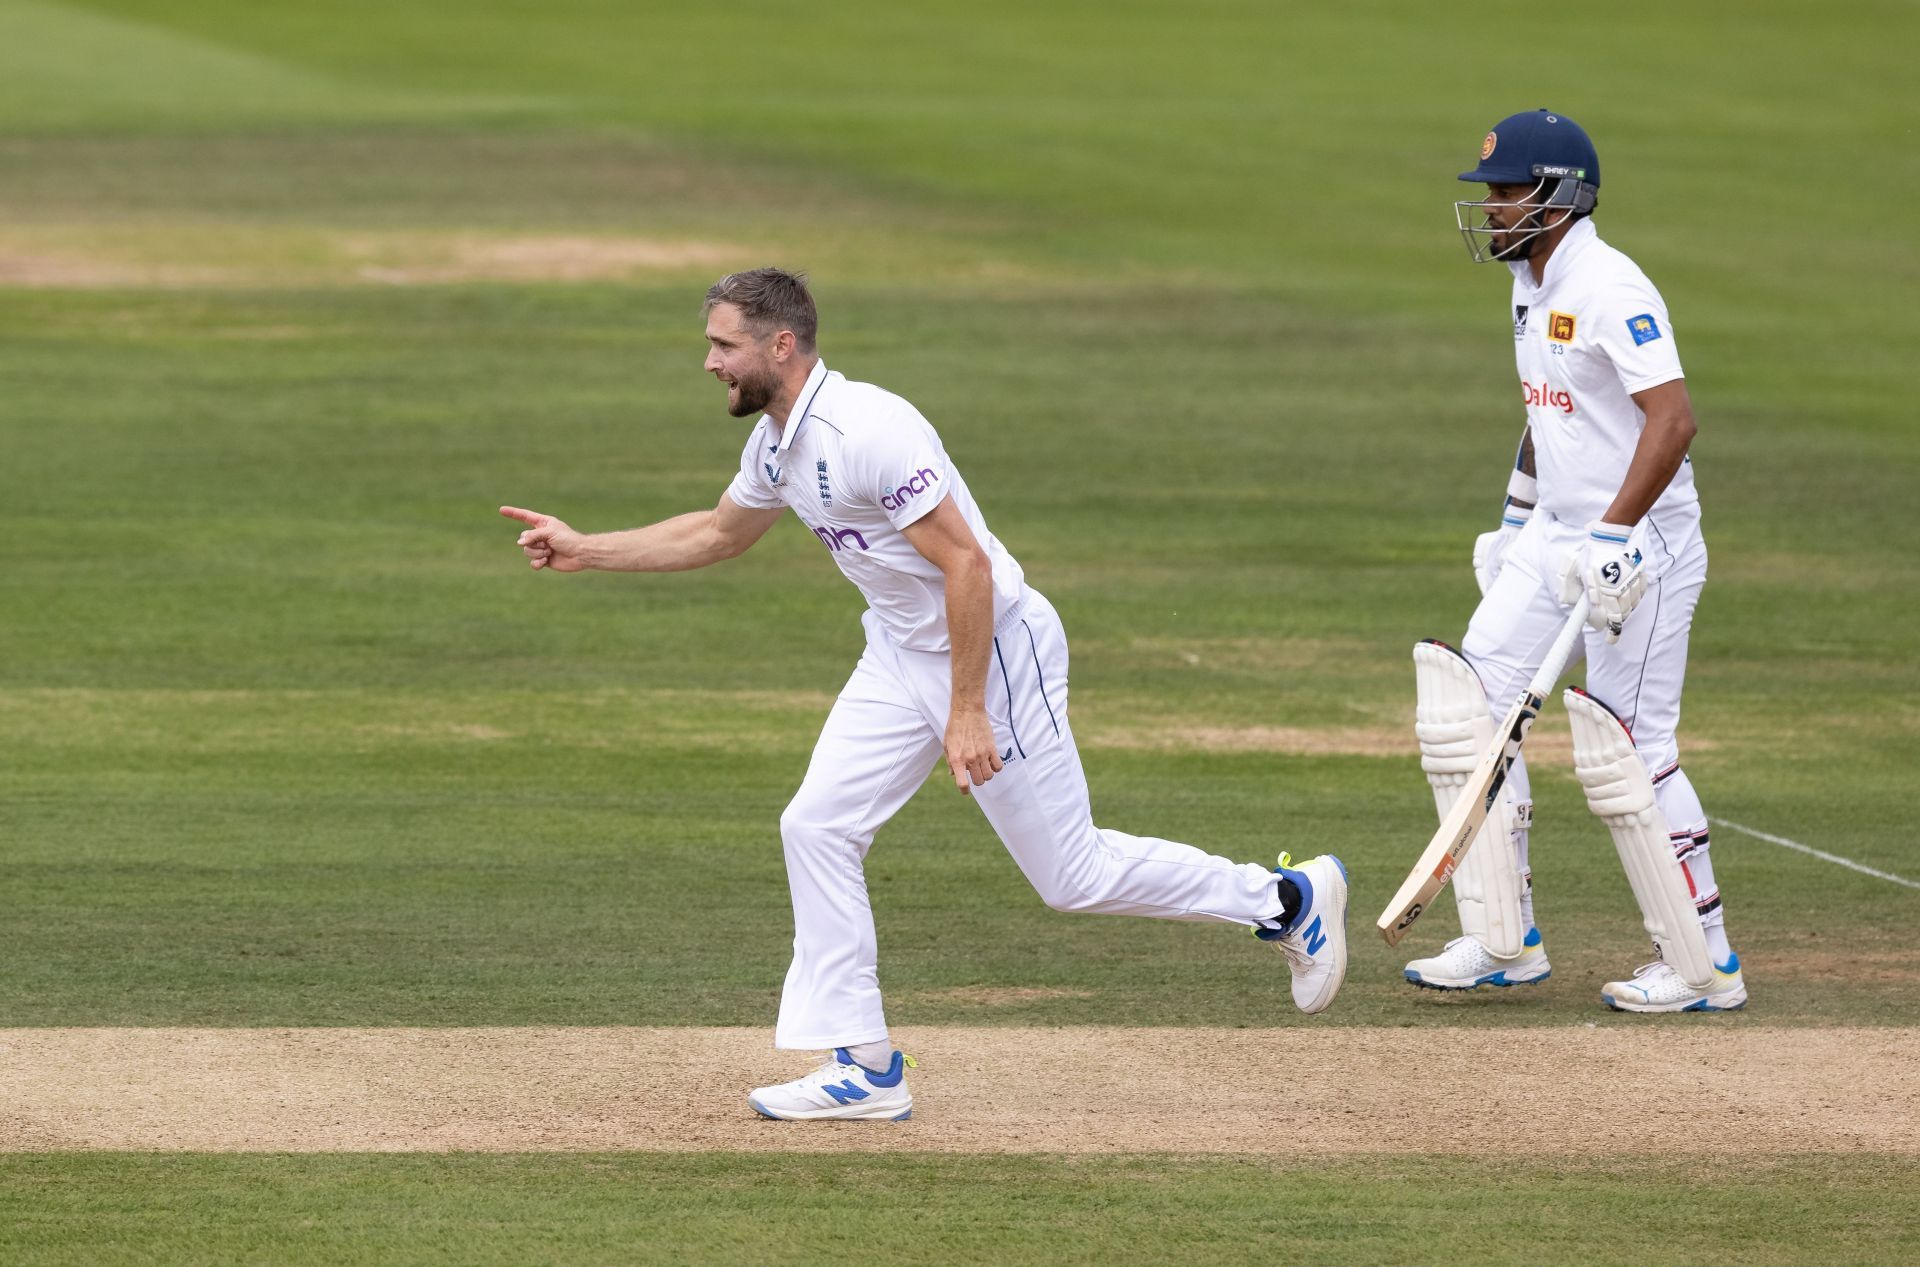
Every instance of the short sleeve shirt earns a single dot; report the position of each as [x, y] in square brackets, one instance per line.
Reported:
[857, 465]
[1592, 333]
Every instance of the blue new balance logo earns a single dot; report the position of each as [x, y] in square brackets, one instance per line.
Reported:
[845, 1093]
[1314, 937]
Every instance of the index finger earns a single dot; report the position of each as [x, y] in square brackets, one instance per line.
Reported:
[532, 518]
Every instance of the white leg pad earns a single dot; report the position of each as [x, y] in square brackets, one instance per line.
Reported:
[1455, 730]
[1620, 794]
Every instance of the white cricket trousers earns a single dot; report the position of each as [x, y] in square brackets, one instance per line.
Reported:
[886, 731]
[1639, 678]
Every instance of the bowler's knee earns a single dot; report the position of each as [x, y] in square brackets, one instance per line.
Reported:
[1064, 890]
[804, 827]
[1065, 899]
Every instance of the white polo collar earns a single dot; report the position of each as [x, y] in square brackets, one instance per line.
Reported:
[801, 404]
[1561, 260]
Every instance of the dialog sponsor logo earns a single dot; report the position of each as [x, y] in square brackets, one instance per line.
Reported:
[895, 498]
[1547, 396]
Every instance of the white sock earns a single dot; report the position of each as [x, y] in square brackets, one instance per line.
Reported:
[874, 1056]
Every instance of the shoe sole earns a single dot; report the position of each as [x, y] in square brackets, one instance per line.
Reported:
[1324, 999]
[1656, 1009]
[825, 1115]
[1497, 979]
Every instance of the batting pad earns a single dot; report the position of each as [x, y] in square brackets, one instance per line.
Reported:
[1620, 793]
[1455, 731]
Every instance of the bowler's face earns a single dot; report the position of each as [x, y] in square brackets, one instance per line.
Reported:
[741, 360]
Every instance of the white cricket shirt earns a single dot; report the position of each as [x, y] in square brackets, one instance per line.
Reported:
[857, 464]
[1593, 332]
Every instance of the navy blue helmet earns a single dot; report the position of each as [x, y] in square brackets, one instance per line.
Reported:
[1547, 151]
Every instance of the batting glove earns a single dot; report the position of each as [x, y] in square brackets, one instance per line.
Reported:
[1608, 570]
[1490, 548]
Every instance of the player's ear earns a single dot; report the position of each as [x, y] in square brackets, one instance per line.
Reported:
[784, 344]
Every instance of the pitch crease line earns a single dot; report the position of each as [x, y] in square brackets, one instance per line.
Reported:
[1821, 854]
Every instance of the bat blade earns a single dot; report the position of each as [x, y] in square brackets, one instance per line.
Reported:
[1469, 812]
[1460, 826]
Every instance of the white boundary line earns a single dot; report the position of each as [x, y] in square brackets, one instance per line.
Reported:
[1848, 863]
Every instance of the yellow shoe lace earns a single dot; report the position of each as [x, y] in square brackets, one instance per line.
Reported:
[1286, 861]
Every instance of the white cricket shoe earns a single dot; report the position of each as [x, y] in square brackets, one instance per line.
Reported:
[1465, 964]
[1656, 987]
[841, 1091]
[1315, 942]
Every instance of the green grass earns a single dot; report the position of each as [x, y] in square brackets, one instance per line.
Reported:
[380, 857]
[699, 1208]
[288, 736]
[301, 742]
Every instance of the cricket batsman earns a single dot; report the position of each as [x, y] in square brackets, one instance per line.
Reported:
[1602, 501]
[964, 662]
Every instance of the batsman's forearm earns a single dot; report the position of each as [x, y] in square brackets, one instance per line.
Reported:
[970, 631]
[672, 545]
[1523, 488]
[1662, 448]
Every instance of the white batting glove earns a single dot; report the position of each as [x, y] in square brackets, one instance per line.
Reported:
[1609, 571]
[1490, 548]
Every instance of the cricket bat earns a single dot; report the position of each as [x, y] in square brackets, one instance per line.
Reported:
[1469, 812]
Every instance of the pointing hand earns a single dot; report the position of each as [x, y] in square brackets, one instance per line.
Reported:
[547, 542]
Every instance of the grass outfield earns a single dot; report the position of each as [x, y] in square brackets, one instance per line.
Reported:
[623, 1208]
[301, 742]
[291, 297]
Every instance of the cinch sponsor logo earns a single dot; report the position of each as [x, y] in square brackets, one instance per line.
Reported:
[1547, 396]
[895, 498]
[837, 538]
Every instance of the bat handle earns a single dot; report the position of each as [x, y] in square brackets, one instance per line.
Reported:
[1562, 650]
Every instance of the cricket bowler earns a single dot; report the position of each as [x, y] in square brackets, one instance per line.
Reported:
[964, 661]
[1602, 501]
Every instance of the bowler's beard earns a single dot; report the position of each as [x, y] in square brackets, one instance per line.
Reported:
[756, 392]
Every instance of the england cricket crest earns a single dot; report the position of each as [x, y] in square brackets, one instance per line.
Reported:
[826, 489]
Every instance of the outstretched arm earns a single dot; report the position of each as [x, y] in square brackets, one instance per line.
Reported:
[672, 545]
[944, 539]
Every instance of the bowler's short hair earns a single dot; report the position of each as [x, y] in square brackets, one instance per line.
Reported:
[770, 300]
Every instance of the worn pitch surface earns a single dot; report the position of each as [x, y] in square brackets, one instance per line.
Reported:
[1081, 1089]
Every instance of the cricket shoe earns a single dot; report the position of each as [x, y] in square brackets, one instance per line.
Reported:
[1465, 964]
[1315, 940]
[841, 1091]
[1656, 987]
